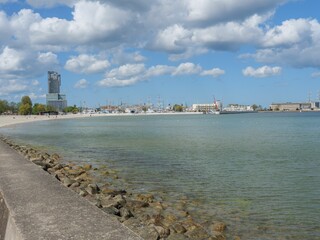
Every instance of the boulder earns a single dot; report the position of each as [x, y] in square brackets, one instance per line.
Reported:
[162, 231]
[125, 214]
[197, 233]
[68, 182]
[219, 227]
[92, 189]
[178, 228]
[148, 198]
[111, 210]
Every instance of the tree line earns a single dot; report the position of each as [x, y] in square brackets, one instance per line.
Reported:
[25, 107]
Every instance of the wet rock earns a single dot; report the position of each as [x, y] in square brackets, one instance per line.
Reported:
[68, 182]
[197, 234]
[219, 227]
[178, 228]
[44, 165]
[134, 205]
[157, 205]
[176, 236]
[125, 214]
[162, 231]
[55, 156]
[148, 198]
[87, 167]
[218, 236]
[83, 177]
[92, 189]
[83, 193]
[111, 210]
[148, 233]
[109, 201]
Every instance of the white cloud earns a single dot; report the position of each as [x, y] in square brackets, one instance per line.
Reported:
[208, 12]
[172, 39]
[215, 72]
[293, 31]
[82, 83]
[261, 72]
[35, 96]
[187, 68]
[87, 64]
[120, 57]
[130, 74]
[12, 87]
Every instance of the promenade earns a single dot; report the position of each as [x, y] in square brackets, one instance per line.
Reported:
[34, 206]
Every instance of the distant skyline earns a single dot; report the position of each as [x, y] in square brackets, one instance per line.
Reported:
[183, 51]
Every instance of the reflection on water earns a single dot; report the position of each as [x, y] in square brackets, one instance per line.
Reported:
[257, 172]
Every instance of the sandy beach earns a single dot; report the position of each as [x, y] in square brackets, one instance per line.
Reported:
[6, 120]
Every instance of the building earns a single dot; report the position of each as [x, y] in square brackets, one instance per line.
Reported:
[293, 106]
[238, 108]
[54, 98]
[207, 107]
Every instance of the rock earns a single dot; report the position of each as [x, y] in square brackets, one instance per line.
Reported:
[111, 210]
[148, 198]
[219, 227]
[197, 234]
[178, 228]
[162, 231]
[44, 165]
[125, 214]
[133, 204]
[75, 172]
[83, 177]
[75, 185]
[68, 182]
[92, 189]
[83, 193]
[157, 205]
[112, 192]
[109, 201]
[148, 233]
[55, 156]
[87, 167]
[218, 236]
[176, 236]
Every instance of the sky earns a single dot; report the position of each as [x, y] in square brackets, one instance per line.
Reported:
[176, 52]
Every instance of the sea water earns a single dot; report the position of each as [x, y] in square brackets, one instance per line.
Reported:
[259, 173]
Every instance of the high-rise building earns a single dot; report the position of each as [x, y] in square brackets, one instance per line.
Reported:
[54, 98]
[54, 82]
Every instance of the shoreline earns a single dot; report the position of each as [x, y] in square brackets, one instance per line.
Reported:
[147, 214]
[7, 120]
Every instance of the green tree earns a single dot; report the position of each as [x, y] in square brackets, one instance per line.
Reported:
[71, 109]
[26, 100]
[25, 106]
[50, 108]
[4, 106]
[177, 108]
[38, 108]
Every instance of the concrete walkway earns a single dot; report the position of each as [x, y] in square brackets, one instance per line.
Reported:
[40, 207]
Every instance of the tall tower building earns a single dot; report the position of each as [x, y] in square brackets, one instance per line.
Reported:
[54, 82]
[54, 98]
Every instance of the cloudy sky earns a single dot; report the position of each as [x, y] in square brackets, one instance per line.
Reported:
[182, 51]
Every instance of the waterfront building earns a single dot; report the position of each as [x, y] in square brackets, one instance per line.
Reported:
[54, 97]
[207, 107]
[238, 108]
[289, 106]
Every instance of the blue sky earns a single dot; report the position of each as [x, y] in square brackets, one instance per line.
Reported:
[183, 51]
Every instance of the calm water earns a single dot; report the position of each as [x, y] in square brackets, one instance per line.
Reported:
[260, 173]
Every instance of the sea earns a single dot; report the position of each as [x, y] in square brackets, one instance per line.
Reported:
[259, 172]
